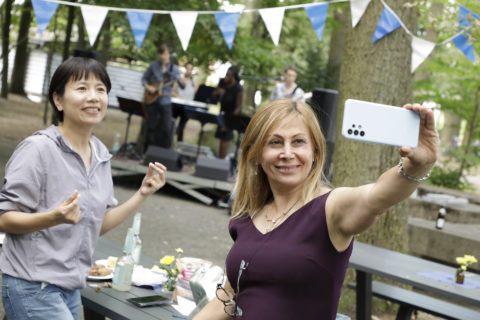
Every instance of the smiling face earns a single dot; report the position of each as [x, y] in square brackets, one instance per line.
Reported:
[84, 102]
[287, 155]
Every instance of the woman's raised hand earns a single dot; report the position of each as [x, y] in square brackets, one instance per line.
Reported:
[154, 179]
[425, 154]
[69, 210]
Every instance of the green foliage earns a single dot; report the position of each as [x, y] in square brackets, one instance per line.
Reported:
[448, 178]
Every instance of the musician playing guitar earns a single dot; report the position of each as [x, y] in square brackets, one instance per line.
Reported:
[159, 81]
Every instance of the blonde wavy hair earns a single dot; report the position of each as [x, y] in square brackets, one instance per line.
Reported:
[252, 190]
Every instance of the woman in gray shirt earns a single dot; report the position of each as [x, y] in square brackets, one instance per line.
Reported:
[58, 198]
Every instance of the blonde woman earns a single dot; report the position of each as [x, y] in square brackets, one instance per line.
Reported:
[293, 235]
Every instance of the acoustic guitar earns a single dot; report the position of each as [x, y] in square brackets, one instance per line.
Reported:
[150, 97]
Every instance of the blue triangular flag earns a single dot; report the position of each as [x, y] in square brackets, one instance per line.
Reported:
[228, 22]
[317, 15]
[139, 22]
[463, 18]
[387, 23]
[461, 41]
[43, 11]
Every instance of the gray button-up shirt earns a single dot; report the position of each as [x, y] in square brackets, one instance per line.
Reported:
[42, 173]
[154, 75]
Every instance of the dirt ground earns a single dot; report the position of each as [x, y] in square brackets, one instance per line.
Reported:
[170, 218]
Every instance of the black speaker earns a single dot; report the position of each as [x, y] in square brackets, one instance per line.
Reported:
[324, 104]
[168, 157]
[212, 168]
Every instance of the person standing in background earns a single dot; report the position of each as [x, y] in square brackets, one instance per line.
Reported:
[231, 98]
[185, 90]
[289, 89]
[159, 81]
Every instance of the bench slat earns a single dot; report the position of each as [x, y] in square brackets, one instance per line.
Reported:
[420, 301]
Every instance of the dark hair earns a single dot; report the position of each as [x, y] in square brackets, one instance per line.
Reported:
[75, 69]
[234, 71]
[163, 48]
[290, 67]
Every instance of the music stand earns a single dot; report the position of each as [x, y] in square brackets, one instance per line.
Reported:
[204, 118]
[238, 123]
[205, 94]
[132, 107]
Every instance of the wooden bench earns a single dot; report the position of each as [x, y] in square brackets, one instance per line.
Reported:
[410, 301]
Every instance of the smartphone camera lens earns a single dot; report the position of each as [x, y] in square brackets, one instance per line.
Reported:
[349, 131]
[353, 126]
[362, 133]
[355, 132]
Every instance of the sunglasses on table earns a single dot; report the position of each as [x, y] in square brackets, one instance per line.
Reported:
[229, 301]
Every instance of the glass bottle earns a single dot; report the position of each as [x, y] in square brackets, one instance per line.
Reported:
[116, 143]
[137, 242]
[441, 218]
[122, 276]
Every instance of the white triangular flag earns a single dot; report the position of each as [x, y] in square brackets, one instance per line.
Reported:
[1, 2]
[273, 19]
[184, 23]
[421, 49]
[93, 16]
[357, 8]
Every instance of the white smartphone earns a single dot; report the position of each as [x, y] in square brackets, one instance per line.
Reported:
[380, 123]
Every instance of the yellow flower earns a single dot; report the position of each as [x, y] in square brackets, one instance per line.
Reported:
[461, 260]
[179, 250]
[470, 259]
[464, 268]
[167, 260]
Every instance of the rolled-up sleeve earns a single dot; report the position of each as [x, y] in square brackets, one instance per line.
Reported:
[22, 188]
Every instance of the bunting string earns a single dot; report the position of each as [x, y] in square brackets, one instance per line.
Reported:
[227, 21]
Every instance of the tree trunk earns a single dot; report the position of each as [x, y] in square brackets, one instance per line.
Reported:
[21, 53]
[68, 32]
[106, 41]
[450, 130]
[335, 54]
[5, 44]
[81, 32]
[378, 72]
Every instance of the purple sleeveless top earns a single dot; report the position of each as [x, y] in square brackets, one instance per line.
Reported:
[294, 272]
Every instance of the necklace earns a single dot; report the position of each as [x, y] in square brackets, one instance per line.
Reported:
[274, 221]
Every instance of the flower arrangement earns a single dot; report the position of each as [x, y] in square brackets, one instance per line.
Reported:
[464, 262]
[167, 264]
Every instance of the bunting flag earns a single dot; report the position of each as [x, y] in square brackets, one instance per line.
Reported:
[421, 49]
[388, 23]
[44, 12]
[317, 15]
[184, 22]
[462, 40]
[357, 9]
[228, 22]
[463, 18]
[273, 19]
[93, 16]
[462, 43]
[139, 22]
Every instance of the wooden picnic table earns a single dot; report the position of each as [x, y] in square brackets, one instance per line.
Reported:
[369, 260]
[112, 303]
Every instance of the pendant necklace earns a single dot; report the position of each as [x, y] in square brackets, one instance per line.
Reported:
[274, 221]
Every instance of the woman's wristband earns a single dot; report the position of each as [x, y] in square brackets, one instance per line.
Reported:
[406, 176]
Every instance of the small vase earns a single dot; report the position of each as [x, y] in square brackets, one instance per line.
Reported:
[460, 277]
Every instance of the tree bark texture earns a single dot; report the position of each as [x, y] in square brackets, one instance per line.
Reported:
[7, 19]
[21, 53]
[335, 54]
[68, 31]
[378, 72]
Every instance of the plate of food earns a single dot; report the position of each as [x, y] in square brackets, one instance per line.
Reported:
[100, 272]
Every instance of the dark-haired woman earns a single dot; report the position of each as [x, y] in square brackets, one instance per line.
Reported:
[231, 98]
[58, 198]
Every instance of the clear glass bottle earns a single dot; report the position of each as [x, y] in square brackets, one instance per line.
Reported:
[122, 276]
[137, 242]
[116, 143]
